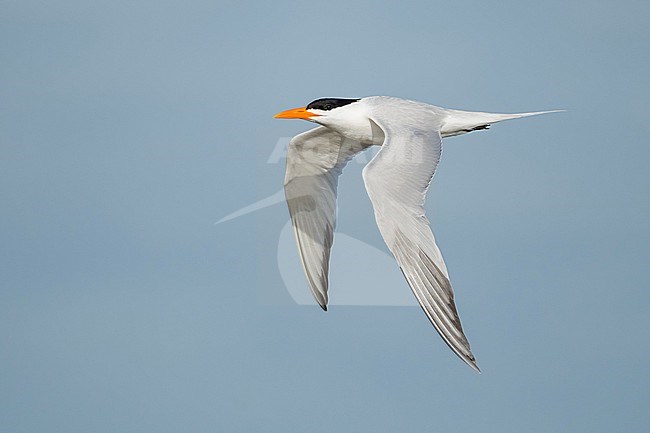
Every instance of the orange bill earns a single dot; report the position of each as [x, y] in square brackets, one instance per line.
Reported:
[295, 113]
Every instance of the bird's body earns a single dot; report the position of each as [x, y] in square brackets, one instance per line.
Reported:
[396, 179]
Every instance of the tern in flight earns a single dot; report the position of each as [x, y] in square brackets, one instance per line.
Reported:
[410, 135]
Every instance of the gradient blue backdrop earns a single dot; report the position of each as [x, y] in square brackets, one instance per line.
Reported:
[128, 128]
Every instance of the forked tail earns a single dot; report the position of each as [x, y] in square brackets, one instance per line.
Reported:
[461, 122]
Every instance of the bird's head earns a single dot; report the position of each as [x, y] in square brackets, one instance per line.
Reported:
[325, 111]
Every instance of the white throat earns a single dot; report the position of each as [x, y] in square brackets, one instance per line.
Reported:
[351, 121]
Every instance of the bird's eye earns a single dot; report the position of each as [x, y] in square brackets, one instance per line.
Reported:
[328, 107]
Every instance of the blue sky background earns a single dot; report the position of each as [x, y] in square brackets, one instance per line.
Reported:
[128, 128]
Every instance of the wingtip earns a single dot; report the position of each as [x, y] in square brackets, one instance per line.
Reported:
[324, 307]
[474, 366]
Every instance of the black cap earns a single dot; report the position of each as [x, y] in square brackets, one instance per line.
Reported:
[328, 104]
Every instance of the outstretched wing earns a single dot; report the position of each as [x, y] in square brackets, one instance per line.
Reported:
[397, 179]
[315, 160]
